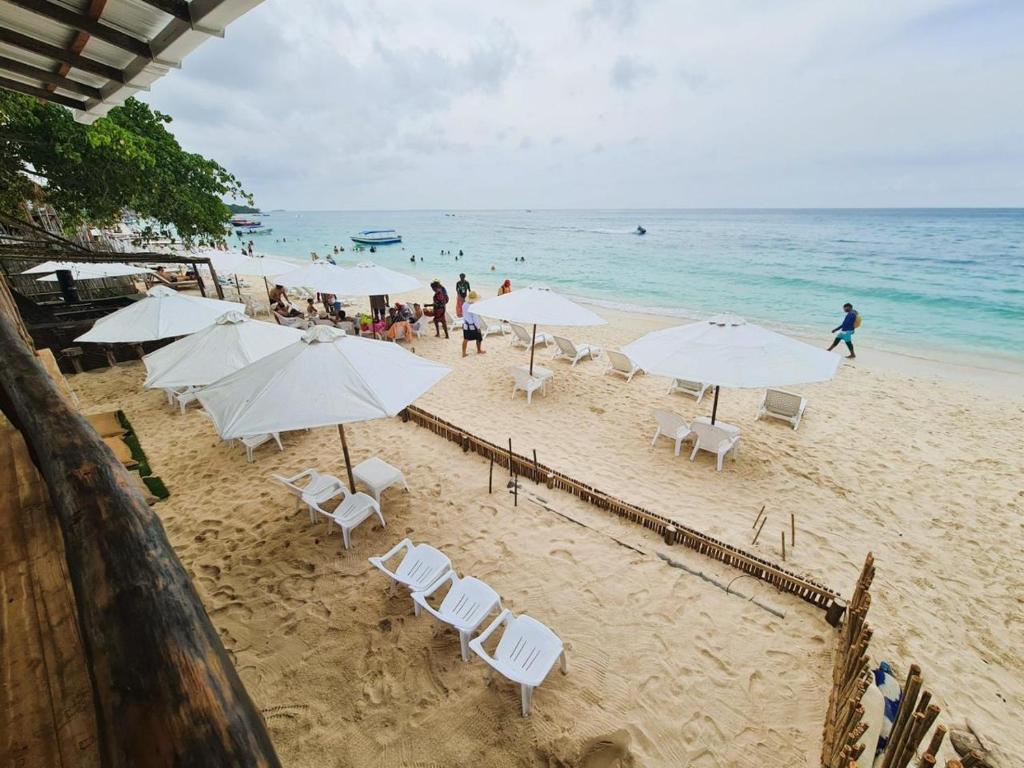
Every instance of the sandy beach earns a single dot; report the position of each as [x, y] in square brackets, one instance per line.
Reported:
[664, 668]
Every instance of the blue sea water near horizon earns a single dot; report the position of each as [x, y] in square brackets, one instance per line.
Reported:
[925, 280]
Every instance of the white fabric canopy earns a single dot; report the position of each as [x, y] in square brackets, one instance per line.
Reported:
[727, 351]
[164, 313]
[81, 270]
[326, 378]
[231, 343]
[256, 266]
[537, 306]
[364, 279]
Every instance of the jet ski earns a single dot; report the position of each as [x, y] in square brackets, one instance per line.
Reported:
[640, 230]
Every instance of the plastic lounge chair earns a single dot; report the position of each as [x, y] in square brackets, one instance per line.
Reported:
[786, 406]
[523, 338]
[695, 389]
[420, 567]
[573, 352]
[316, 484]
[672, 426]
[527, 383]
[419, 328]
[714, 440]
[454, 323]
[353, 509]
[491, 328]
[525, 654]
[621, 364]
[292, 322]
[464, 608]
[186, 396]
[252, 442]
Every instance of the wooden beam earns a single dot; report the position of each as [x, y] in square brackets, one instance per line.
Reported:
[164, 690]
[41, 48]
[94, 10]
[82, 23]
[41, 93]
[50, 78]
[177, 8]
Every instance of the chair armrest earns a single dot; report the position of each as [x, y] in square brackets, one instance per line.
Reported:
[295, 478]
[403, 544]
[502, 618]
[447, 576]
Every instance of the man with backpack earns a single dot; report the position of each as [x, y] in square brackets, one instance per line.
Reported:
[851, 322]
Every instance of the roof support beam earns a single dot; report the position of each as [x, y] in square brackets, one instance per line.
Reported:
[33, 45]
[40, 93]
[177, 8]
[50, 78]
[83, 23]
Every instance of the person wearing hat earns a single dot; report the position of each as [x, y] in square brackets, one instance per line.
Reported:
[461, 291]
[471, 325]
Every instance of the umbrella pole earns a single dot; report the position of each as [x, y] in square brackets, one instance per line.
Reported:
[348, 461]
[238, 287]
[533, 346]
[714, 408]
[266, 286]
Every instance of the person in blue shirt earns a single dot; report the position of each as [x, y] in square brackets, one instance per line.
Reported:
[845, 330]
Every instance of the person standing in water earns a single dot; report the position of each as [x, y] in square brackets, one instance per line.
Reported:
[461, 291]
[845, 329]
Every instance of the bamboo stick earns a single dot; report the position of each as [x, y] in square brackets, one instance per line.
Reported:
[759, 531]
[758, 518]
[792, 530]
[783, 534]
[936, 742]
[490, 477]
[900, 727]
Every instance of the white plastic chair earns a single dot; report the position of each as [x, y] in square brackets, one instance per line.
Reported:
[782, 405]
[353, 509]
[525, 654]
[714, 440]
[620, 364]
[522, 380]
[523, 338]
[252, 442]
[573, 352]
[186, 396]
[420, 567]
[292, 322]
[419, 328]
[672, 426]
[491, 327]
[315, 485]
[464, 608]
[695, 389]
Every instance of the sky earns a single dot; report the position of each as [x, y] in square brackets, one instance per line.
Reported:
[462, 104]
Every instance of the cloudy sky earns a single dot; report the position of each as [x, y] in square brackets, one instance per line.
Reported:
[371, 104]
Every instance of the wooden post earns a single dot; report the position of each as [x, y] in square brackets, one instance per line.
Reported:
[348, 461]
[515, 490]
[533, 346]
[510, 458]
[164, 689]
[783, 534]
[792, 530]
[536, 474]
[490, 477]
[758, 518]
[765, 520]
[199, 278]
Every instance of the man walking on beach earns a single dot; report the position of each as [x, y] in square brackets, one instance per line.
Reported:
[461, 291]
[846, 329]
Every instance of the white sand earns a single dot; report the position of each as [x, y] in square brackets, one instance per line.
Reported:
[665, 668]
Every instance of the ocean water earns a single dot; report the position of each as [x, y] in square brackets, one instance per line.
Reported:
[924, 280]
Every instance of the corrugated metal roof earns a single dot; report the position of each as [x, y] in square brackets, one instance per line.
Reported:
[134, 45]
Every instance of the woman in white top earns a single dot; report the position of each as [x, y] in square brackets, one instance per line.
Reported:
[471, 325]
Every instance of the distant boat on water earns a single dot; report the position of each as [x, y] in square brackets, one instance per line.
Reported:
[244, 226]
[640, 230]
[377, 237]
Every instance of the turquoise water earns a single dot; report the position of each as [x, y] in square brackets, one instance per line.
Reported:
[936, 279]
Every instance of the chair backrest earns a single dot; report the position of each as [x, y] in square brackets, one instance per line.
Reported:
[779, 401]
[423, 565]
[710, 436]
[420, 324]
[399, 332]
[522, 378]
[348, 327]
[620, 361]
[521, 333]
[670, 422]
[528, 645]
[469, 599]
[687, 385]
[566, 346]
[489, 323]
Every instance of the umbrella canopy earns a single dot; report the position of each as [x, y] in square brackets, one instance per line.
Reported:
[325, 378]
[364, 279]
[81, 270]
[727, 351]
[164, 313]
[232, 342]
[537, 306]
[257, 266]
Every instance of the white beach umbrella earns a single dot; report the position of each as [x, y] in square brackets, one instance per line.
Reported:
[162, 314]
[537, 306]
[232, 342]
[366, 279]
[234, 263]
[727, 351]
[82, 270]
[326, 378]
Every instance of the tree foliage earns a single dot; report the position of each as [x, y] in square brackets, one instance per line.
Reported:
[126, 160]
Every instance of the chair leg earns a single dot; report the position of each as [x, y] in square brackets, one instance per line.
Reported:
[696, 447]
[565, 663]
[345, 537]
[721, 457]
[277, 439]
[527, 696]
[679, 443]
[658, 432]
[416, 609]
[464, 640]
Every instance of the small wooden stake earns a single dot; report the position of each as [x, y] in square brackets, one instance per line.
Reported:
[536, 474]
[765, 520]
[510, 457]
[515, 491]
[792, 530]
[490, 477]
[783, 534]
[758, 518]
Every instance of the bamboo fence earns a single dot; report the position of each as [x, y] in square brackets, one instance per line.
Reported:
[672, 531]
[851, 676]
